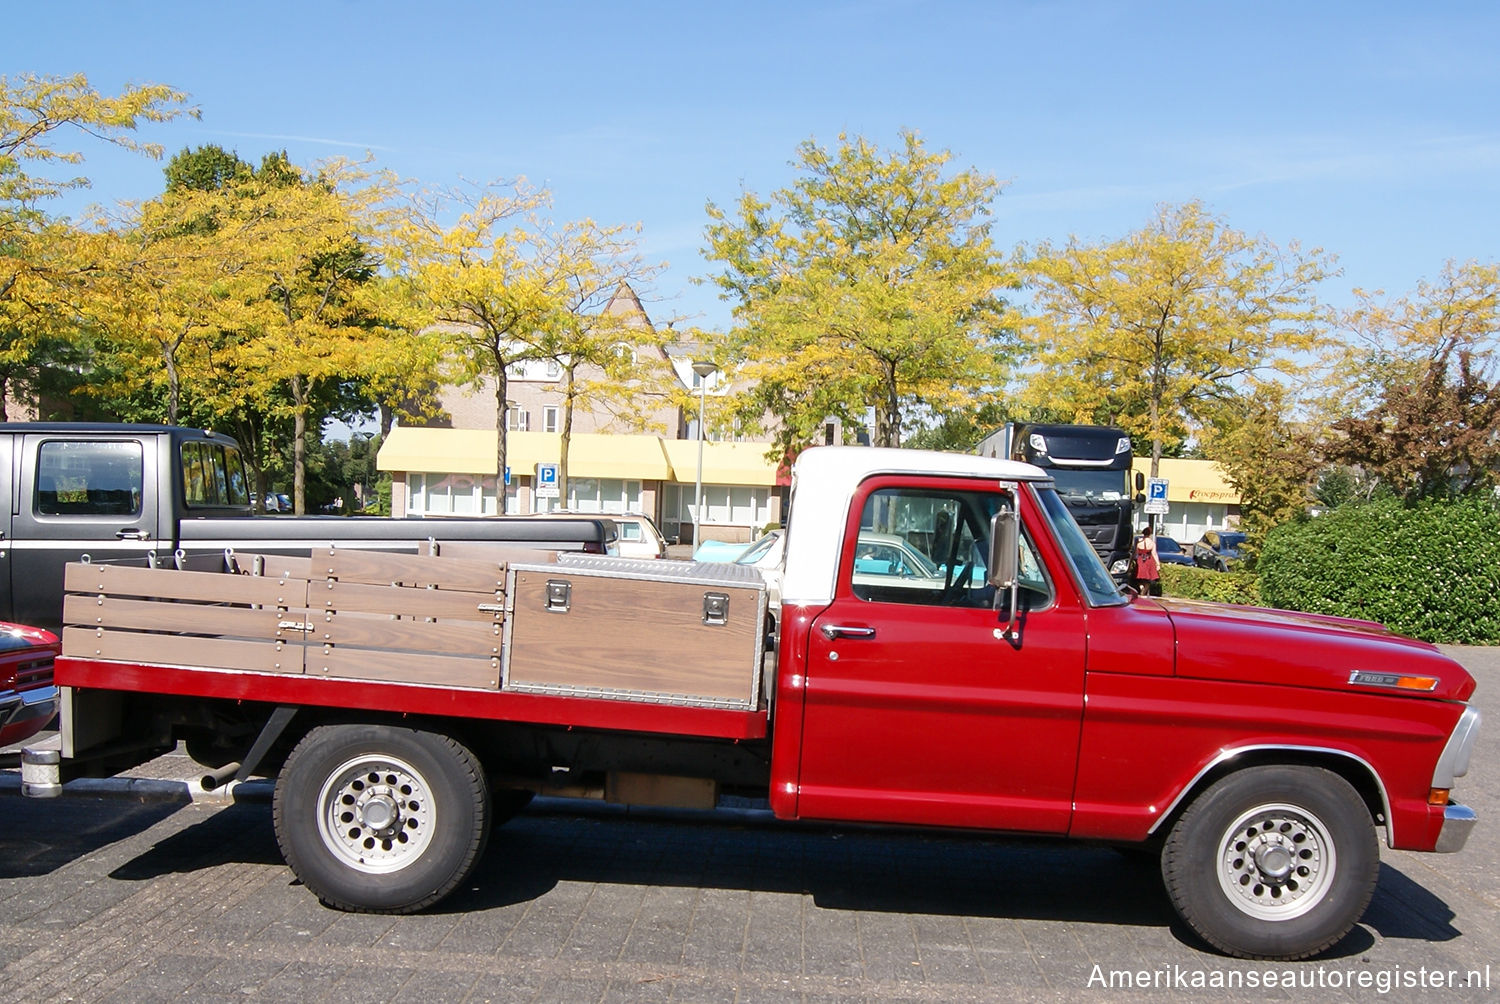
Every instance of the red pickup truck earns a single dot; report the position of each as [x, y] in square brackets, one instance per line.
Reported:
[405, 703]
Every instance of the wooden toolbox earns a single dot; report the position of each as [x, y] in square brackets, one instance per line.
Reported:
[665, 632]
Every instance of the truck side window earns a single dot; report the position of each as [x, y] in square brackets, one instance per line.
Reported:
[75, 478]
[930, 547]
[213, 475]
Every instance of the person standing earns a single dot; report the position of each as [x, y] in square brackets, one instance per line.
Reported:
[1147, 576]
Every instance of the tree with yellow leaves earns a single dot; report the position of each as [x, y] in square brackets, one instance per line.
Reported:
[317, 239]
[44, 261]
[1154, 332]
[870, 283]
[168, 286]
[506, 286]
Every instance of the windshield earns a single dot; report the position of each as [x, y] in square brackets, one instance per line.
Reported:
[1091, 486]
[1090, 572]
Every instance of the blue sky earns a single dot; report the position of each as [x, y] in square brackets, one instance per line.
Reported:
[1369, 129]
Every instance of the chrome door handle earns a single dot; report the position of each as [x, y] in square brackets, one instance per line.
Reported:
[832, 631]
[133, 533]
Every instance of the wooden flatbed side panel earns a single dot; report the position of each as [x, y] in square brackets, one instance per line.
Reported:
[440, 603]
[404, 667]
[638, 636]
[480, 550]
[276, 566]
[382, 569]
[446, 637]
[183, 618]
[178, 650]
[170, 584]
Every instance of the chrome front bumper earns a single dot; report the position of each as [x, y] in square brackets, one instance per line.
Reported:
[29, 706]
[1458, 820]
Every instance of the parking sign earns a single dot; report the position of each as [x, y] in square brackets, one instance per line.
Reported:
[546, 481]
[1156, 497]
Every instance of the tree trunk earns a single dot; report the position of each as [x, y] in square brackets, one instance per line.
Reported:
[888, 412]
[567, 435]
[299, 446]
[174, 387]
[500, 390]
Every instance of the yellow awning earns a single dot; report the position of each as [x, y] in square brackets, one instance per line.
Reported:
[723, 463]
[438, 451]
[472, 451]
[1192, 480]
[592, 455]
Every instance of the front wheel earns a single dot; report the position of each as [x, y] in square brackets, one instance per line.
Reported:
[380, 819]
[1273, 862]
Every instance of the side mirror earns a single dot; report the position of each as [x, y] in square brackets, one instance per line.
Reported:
[1140, 481]
[1005, 567]
[1005, 551]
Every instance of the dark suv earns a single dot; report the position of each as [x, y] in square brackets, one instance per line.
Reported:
[1218, 550]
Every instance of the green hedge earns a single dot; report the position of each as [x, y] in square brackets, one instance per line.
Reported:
[1202, 584]
[1431, 571]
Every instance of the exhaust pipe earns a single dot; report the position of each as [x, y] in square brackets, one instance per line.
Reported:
[215, 779]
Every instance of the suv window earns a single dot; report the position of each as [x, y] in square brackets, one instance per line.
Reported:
[75, 478]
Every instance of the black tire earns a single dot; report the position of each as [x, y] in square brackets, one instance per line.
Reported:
[380, 819]
[1273, 862]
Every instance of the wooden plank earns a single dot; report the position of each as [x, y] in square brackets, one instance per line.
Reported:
[170, 584]
[404, 667]
[440, 603]
[349, 630]
[173, 650]
[182, 618]
[383, 568]
[483, 550]
[633, 635]
[277, 566]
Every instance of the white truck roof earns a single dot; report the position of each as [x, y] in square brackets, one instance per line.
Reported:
[824, 480]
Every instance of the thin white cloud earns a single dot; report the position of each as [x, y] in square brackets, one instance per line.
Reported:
[317, 140]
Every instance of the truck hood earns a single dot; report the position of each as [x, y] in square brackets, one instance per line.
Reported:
[1217, 641]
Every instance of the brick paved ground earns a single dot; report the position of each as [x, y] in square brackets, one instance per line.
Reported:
[105, 900]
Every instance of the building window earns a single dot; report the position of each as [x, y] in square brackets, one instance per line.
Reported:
[549, 418]
[737, 504]
[554, 369]
[451, 495]
[604, 495]
[516, 419]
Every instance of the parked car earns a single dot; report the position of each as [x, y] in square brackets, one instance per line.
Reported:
[721, 550]
[636, 533]
[1169, 552]
[1218, 550]
[28, 697]
[639, 537]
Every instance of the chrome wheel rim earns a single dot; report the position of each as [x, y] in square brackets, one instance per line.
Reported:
[375, 814]
[1276, 862]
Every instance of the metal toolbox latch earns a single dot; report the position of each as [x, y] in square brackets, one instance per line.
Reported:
[559, 596]
[716, 608]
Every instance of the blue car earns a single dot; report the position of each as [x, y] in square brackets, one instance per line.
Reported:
[1169, 552]
[1218, 550]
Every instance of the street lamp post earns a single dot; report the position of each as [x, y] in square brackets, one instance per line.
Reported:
[703, 368]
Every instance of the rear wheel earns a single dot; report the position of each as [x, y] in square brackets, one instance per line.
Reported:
[1273, 862]
[380, 819]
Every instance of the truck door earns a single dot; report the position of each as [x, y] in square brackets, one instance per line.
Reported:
[79, 495]
[917, 708]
